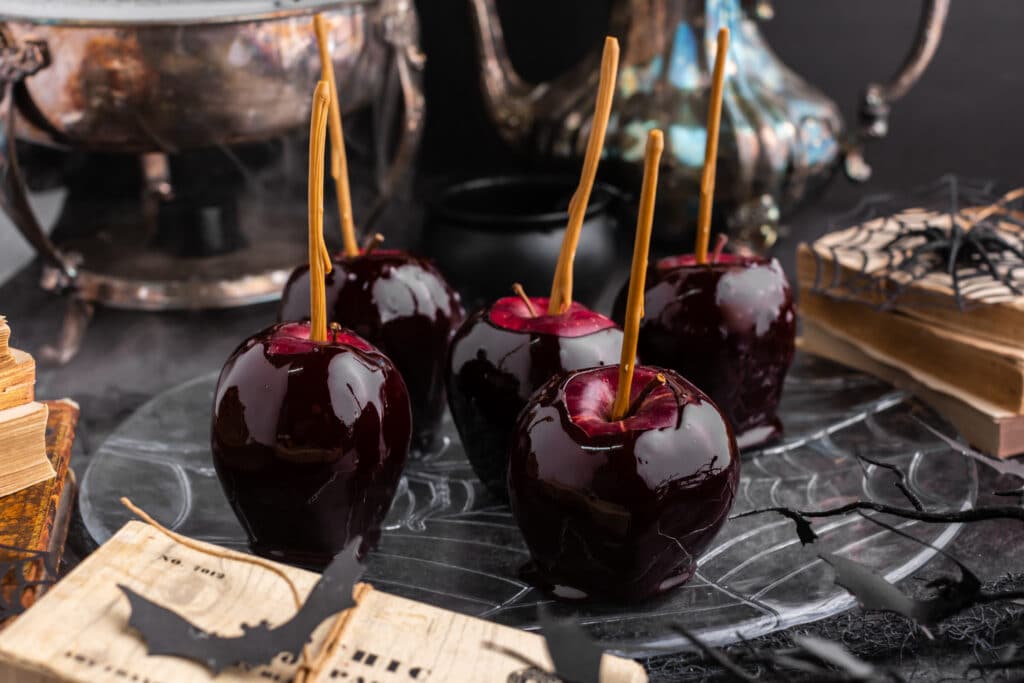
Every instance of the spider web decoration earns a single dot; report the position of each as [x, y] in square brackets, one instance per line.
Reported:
[24, 574]
[960, 244]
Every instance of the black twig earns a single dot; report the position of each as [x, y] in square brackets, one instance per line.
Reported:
[950, 517]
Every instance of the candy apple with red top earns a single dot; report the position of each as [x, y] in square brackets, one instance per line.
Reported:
[501, 355]
[311, 423]
[399, 302]
[504, 352]
[620, 476]
[404, 306]
[728, 325]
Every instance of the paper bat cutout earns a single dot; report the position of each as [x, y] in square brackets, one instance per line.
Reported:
[874, 592]
[577, 659]
[169, 634]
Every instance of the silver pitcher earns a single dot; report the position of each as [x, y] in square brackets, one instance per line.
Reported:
[780, 140]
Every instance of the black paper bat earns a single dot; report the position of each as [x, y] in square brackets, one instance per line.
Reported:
[168, 633]
[576, 657]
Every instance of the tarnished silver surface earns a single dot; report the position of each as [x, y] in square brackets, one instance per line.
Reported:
[145, 88]
[781, 138]
[448, 544]
[114, 12]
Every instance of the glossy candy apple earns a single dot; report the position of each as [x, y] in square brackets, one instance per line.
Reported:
[309, 440]
[500, 356]
[620, 509]
[404, 307]
[729, 327]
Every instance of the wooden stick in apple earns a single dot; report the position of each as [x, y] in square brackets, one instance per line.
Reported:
[561, 288]
[638, 274]
[319, 258]
[339, 160]
[707, 179]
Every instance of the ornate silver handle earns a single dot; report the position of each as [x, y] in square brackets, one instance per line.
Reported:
[403, 85]
[879, 97]
[17, 62]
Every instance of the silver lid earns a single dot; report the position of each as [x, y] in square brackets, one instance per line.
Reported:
[121, 12]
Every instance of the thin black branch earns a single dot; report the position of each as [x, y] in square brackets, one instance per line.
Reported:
[950, 517]
[901, 479]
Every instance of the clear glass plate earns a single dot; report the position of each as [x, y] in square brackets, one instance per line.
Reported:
[449, 544]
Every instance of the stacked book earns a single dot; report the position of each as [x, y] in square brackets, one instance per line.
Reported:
[906, 298]
[23, 460]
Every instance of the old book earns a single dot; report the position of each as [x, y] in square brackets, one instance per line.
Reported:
[859, 263]
[988, 370]
[987, 427]
[34, 521]
[78, 631]
[17, 372]
[23, 460]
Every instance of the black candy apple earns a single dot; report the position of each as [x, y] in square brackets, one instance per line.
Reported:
[501, 355]
[729, 327]
[620, 476]
[311, 424]
[404, 307]
[620, 509]
[309, 441]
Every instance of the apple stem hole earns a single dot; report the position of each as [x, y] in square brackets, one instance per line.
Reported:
[339, 160]
[561, 288]
[656, 382]
[707, 179]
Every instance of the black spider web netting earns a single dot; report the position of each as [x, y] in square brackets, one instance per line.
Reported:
[960, 244]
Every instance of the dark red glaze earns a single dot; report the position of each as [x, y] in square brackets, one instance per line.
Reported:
[512, 313]
[500, 356]
[620, 510]
[403, 306]
[729, 327]
[309, 441]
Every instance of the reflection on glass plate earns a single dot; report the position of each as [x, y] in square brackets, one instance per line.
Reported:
[449, 544]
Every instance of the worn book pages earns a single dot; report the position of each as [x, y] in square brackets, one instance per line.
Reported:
[987, 427]
[23, 460]
[846, 264]
[17, 372]
[986, 369]
[79, 630]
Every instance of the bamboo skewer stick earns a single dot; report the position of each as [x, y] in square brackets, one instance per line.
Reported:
[561, 288]
[707, 179]
[339, 160]
[319, 258]
[638, 274]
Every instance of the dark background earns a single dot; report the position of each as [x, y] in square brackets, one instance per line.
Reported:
[964, 115]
